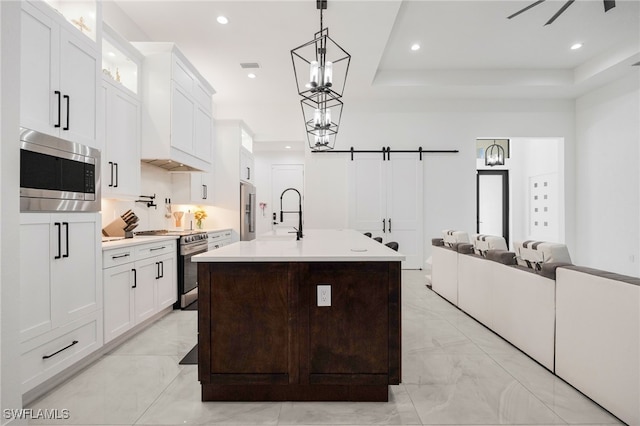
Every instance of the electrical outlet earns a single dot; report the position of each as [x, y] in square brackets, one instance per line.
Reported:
[324, 295]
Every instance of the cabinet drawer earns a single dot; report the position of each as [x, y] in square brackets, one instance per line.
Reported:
[72, 343]
[117, 257]
[157, 249]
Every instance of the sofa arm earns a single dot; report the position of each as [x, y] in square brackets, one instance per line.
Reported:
[548, 270]
[463, 248]
[502, 256]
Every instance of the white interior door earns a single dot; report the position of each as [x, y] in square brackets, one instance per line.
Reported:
[367, 194]
[404, 207]
[285, 176]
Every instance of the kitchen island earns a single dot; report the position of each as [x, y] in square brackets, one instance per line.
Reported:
[310, 320]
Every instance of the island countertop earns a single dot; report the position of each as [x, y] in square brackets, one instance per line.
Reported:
[317, 245]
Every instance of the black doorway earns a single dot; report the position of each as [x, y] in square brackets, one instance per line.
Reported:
[492, 203]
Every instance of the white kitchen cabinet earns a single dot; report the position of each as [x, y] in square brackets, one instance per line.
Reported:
[144, 285]
[59, 77]
[178, 126]
[192, 188]
[59, 254]
[121, 154]
[122, 117]
[60, 291]
[386, 199]
[119, 313]
[139, 281]
[247, 163]
[166, 284]
[219, 239]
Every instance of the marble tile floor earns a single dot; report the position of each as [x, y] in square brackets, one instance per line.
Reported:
[455, 371]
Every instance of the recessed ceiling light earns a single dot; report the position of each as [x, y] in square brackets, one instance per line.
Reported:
[112, 54]
[576, 46]
[415, 46]
[287, 147]
[251, 75]
[222, 20]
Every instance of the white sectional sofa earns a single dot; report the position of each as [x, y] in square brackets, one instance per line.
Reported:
[598, 337]
[444, 276]
[580, 323]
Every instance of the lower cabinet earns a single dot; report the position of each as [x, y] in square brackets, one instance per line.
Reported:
[60, 292]
[219, 239]
[139, 281]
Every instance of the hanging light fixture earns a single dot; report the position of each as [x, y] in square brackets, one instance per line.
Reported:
[320, 67]
[494, 155]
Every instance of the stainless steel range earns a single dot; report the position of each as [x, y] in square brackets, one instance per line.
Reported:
[190, 244]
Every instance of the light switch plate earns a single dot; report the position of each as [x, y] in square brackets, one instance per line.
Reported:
[324, 295]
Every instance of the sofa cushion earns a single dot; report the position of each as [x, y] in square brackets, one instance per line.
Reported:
[451, 237]
[482, 243]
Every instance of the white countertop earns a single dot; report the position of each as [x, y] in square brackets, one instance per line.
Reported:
[118, 242]
[317, 245]
[124, 242]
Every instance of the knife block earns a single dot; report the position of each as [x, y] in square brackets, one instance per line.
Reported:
[116, 229]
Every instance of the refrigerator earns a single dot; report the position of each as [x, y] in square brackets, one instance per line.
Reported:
[247, 212]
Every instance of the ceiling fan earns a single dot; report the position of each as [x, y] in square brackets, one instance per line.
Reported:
[608, 5]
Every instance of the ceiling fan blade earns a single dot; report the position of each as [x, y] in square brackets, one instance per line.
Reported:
[525, 9]
[609, 4]
[558, 13]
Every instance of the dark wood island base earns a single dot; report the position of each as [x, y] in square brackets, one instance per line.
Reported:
[263, 337]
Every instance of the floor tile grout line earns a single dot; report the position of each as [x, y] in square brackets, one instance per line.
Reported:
[159, 394]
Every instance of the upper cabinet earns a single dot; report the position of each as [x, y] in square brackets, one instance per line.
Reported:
[122, 116]
[60, 70]
[246, 165]
[235, 146]
[178, 126]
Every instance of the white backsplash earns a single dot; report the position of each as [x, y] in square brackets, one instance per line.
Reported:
[155, 180]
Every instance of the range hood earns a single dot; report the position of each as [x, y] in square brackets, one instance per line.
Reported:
[171, 165]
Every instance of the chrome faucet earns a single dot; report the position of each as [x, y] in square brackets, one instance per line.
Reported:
[299, 230]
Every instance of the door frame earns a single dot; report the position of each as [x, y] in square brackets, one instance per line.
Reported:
[505, 199]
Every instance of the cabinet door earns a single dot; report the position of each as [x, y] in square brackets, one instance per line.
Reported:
[404, 207]
[79, 86]
[39, 71]
[145, 289]
[182, 110]
[167, 287]
[246, 165]
[252, 302]
[203, 140]
[118, 300]
[368, 194]
[122, 144]
[36, 254]
[75, 286]
[349, 340]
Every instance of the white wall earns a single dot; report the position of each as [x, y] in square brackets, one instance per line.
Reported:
[607, 177]
[449, 179]
[263, 163]
[10, 395]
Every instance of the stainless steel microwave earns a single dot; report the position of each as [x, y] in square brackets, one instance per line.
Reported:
[57, 175]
